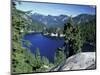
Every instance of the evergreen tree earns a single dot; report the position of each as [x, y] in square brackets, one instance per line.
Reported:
[88, 32]
[38, 58]
[45, 61]
[22, 59]
[59, 56]
[72, 37]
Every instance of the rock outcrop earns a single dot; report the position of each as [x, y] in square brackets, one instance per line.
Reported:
[80, 61]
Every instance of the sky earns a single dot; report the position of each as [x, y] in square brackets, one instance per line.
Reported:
[56, 9]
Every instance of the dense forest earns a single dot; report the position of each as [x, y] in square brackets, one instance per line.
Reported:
[88, 31]
[75, 35]
[23, 60]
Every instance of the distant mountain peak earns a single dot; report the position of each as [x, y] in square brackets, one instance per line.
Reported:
[58, 21]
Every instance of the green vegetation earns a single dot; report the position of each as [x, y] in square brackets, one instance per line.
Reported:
[72, 37]
[45, 61]
[88, 31]
[75, 36]
[38, 58]
[23, 60]
[27, 43]
[59, 56]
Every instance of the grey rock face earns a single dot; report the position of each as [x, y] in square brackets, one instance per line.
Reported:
[85, 60]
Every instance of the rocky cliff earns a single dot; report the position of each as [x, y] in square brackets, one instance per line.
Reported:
[80, 61]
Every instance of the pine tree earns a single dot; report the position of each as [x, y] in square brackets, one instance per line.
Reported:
[22, 59]
[72, 37]
[45, 61]
[59, 56]
[38, 58]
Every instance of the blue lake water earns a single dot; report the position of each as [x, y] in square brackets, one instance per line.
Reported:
[46, 45]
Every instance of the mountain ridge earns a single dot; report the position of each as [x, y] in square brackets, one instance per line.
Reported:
[58, 21]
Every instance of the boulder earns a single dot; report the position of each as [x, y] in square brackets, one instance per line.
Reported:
[80, 61]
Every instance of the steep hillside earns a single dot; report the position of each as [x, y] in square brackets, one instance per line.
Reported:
[58, 21]
[84, 18]
[49, 20]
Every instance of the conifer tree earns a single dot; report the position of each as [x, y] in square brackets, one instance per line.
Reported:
[45, 61]
[38, 58]
[72, 37]
[59, 56]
